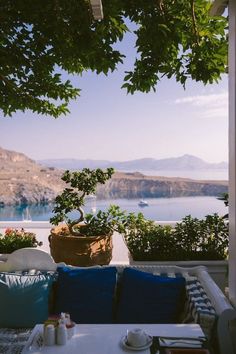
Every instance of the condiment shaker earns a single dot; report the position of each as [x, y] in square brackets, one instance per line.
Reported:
[61, 334]
[49, 335]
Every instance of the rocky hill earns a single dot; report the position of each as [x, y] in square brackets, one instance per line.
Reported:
[23, 181]
[137, 185]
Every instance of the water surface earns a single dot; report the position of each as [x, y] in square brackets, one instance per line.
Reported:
[166, 209]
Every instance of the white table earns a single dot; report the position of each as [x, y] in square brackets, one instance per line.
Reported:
[106, 339]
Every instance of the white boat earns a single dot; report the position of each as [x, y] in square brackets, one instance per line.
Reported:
[26, 217]
[143, 203]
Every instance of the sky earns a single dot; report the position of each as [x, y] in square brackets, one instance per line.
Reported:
[107, 124]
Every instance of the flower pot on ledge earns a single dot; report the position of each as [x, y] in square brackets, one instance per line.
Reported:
[81, 251]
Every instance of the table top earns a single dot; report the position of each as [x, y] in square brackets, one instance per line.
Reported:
[107, 338]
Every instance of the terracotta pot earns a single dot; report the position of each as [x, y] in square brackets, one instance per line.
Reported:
[80, 250]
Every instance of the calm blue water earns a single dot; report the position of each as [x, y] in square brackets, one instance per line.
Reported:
[166, 209]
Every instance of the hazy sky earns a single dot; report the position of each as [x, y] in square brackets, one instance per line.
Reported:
[106, 123]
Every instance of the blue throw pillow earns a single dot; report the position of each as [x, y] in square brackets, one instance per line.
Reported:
[24, 299]
[87, 294]
[148, 298]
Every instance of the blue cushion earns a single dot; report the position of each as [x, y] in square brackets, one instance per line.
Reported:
[148, 298]
[87, 294]
[24, 299]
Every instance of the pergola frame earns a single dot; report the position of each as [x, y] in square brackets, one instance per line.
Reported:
[218, 8]
[97, 10]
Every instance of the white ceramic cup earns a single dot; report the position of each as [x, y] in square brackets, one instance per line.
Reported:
[137, 337]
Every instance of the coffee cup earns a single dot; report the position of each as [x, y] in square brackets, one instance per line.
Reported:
[137, 337]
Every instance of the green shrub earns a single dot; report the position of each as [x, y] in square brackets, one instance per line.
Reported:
[191, 239]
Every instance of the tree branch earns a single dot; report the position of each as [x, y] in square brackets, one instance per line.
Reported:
[77, 221]
[8, 82]
[195, 30]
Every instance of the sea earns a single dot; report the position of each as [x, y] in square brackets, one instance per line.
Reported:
[159, 209]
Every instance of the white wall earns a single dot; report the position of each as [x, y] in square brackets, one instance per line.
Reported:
[232, 151]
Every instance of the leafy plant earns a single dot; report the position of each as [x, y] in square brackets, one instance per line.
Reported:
[104, 222]
[82, 184]
[202, 239]
[173, 38]
[191, 239]
[14, 239]
[145, 239]
[225, 198]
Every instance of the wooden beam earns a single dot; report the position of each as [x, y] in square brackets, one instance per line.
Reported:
[218, 7]
[97, 10]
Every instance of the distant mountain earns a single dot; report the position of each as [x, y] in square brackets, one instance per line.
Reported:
[185, 162]
[75, 164]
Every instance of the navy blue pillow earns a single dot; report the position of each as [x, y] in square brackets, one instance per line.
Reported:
[87, 294]
[148, 298]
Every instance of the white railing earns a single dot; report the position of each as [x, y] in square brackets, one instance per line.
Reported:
[120, 254]
[28, 224]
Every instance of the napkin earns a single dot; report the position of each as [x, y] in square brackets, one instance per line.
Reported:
[181, 342]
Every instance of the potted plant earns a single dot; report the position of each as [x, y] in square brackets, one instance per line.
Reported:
[190, 242]
[86, 240]
[14, 239]
[190, 239]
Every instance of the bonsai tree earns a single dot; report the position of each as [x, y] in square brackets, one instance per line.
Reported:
[81, 184]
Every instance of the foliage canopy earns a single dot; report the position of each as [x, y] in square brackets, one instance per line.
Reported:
[42, 39]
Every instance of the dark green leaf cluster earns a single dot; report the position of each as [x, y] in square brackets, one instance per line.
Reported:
[82, 183]
[41, 40]
[191, 239]
[225, 198]
[14, 239]
[103, 223]
[178, 41]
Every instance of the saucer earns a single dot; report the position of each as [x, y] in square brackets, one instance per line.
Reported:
[130, 347]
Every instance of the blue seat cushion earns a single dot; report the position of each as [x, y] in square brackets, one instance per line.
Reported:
[24, 299]
[87, 294]
[148, 298]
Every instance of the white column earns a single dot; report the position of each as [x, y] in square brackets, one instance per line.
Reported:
[232, 151]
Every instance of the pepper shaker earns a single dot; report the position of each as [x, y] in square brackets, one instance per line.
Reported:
[61, 334]
[49, 335]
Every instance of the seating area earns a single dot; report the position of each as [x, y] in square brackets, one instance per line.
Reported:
[33, 286]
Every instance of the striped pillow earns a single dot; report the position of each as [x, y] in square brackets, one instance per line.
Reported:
[198, 307]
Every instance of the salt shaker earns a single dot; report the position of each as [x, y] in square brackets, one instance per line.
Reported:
[49, 335]
[61, 334]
